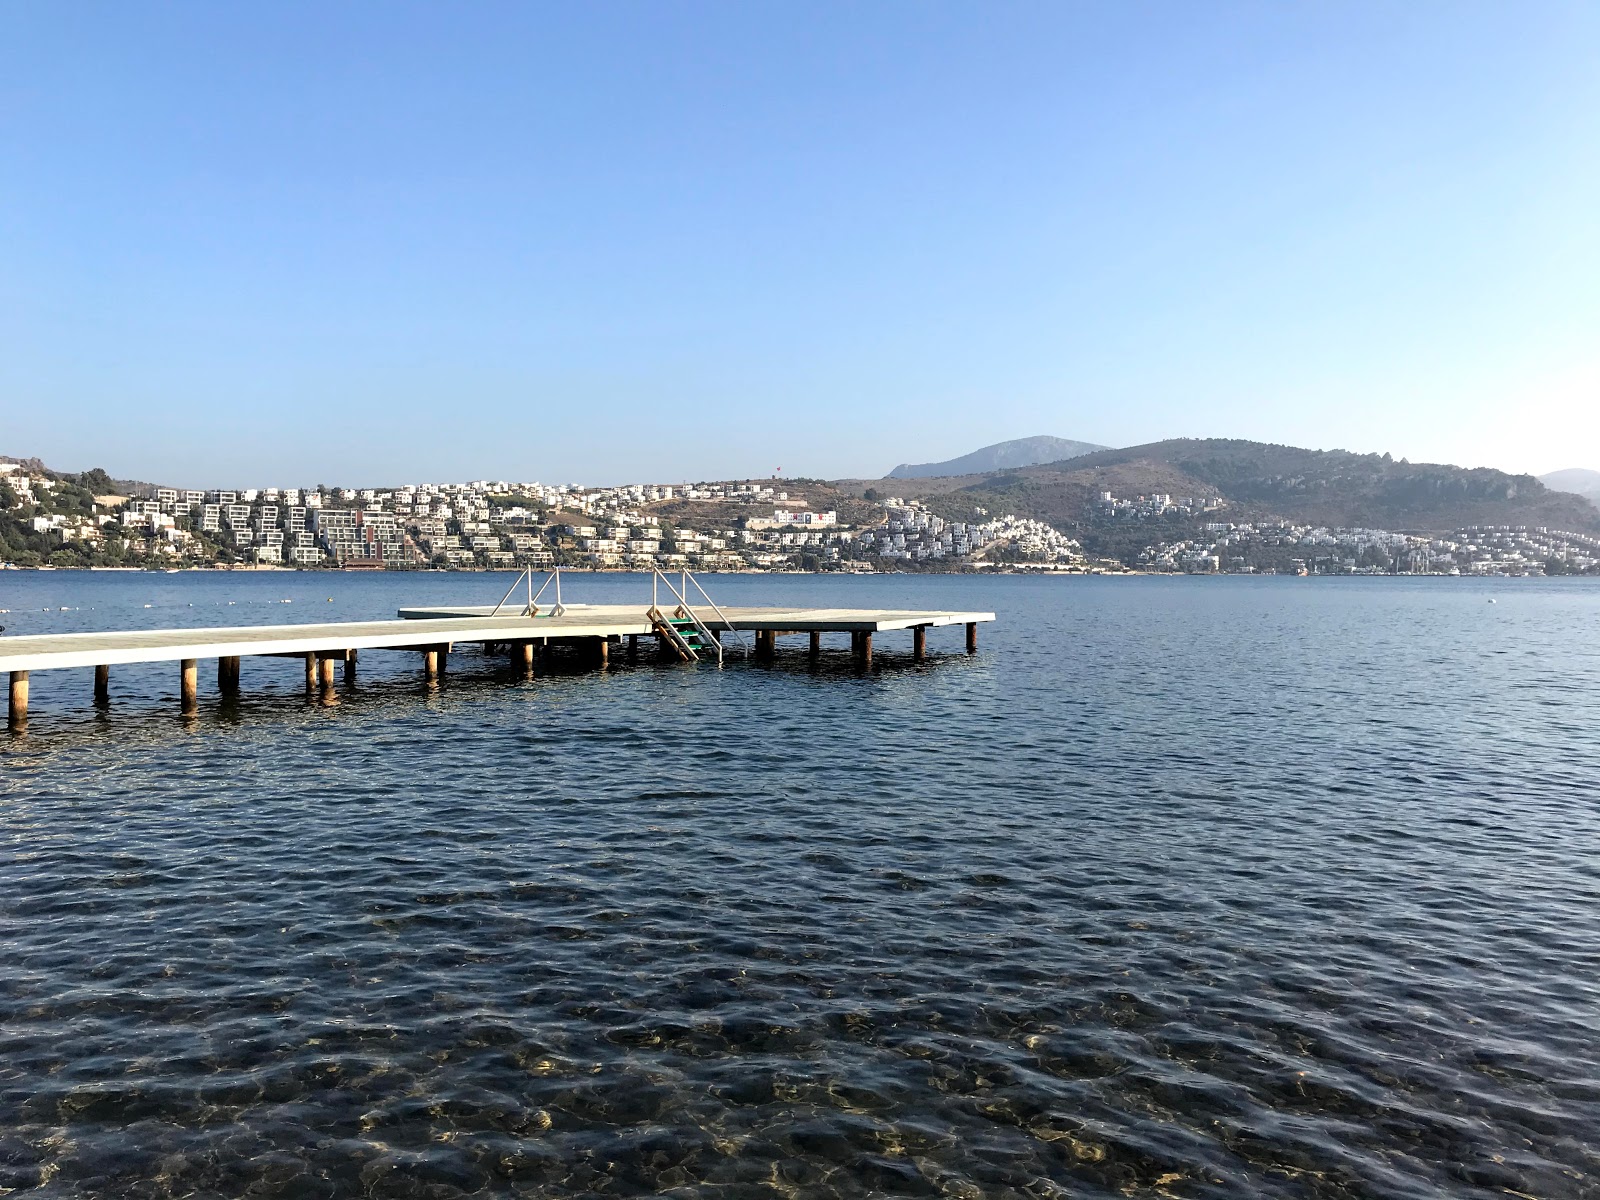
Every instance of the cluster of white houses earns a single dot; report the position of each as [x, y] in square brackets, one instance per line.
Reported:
[915, 533]
[756, 526]
[497, 523]
[1156, 504]
[1307, 549]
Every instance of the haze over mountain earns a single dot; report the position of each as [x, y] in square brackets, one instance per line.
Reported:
[1019, 452]
[1577, 480]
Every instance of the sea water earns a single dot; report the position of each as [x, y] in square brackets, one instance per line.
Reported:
[1185, 887]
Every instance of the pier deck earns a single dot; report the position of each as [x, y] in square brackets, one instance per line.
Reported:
[433, 632]
[796, 620]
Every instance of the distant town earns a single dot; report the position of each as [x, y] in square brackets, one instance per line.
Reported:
[739, 526]
[48, 519]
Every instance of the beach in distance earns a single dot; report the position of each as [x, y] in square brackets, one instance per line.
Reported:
[1178, 886]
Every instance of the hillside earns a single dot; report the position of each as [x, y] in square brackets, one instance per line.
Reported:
[95, 479]
[1333, 488]
[1337, 487]
[1021, 452]
[815, 494]
[1575, 480]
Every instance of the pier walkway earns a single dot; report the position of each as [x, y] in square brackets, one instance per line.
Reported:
[684, 632]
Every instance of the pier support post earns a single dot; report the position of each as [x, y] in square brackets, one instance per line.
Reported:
[311, 672]
[633, 647]
[325, 673]
[432, 661]
[919, 642]
[102, 684]
[189, 685]
[602, 652]
[972, 637]
[766, 643]
[349, 667]
[18, 712]
[524, 657]
[228, 674]
[864, 648]
[815, 649]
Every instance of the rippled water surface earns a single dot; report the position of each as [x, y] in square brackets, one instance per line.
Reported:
[1178, 887]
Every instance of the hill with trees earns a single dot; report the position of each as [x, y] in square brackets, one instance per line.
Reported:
[1335, 488]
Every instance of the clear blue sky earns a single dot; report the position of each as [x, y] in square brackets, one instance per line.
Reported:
[284, 243]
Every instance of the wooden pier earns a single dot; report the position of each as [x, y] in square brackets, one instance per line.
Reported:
[432, 633]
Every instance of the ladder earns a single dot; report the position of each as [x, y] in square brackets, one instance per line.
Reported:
[684, 634]
[683, 629]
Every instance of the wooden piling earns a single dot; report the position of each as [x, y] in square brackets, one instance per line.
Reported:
[189, 684]
[864, 649]
[19, 699]
[919, 642]
[311, 672]
[432, 662]
[766, 643]
[325, 673]
[633, 647]
[524, 657]
[816, 643]
[228, 674]
[349, 667]
[972, 637]
[602, 652]
[102, 684]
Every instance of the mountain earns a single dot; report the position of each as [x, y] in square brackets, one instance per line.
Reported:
[1576, 480]
[1021, 452]
[1335, 488]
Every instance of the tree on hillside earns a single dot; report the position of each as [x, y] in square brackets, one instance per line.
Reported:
[97, 481]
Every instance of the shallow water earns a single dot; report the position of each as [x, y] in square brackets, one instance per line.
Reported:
[1179, 887]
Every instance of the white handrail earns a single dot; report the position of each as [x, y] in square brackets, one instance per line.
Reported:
[533, 597]
[688, 611]
[512, 588]
[718, 610]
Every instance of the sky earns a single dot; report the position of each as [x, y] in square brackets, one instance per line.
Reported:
[373, 243]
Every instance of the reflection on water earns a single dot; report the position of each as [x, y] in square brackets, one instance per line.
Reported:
[1194, 888]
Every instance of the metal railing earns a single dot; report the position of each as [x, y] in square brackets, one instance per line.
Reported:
[681, 594]
[658, 579]
[531, 609]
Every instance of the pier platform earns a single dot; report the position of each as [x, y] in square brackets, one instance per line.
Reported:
[684, 633]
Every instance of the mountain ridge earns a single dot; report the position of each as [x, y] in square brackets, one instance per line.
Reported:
[1578, 480]
[1259, 480]
[1018, 452]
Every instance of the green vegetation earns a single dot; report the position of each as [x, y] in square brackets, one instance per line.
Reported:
[1334, 488]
